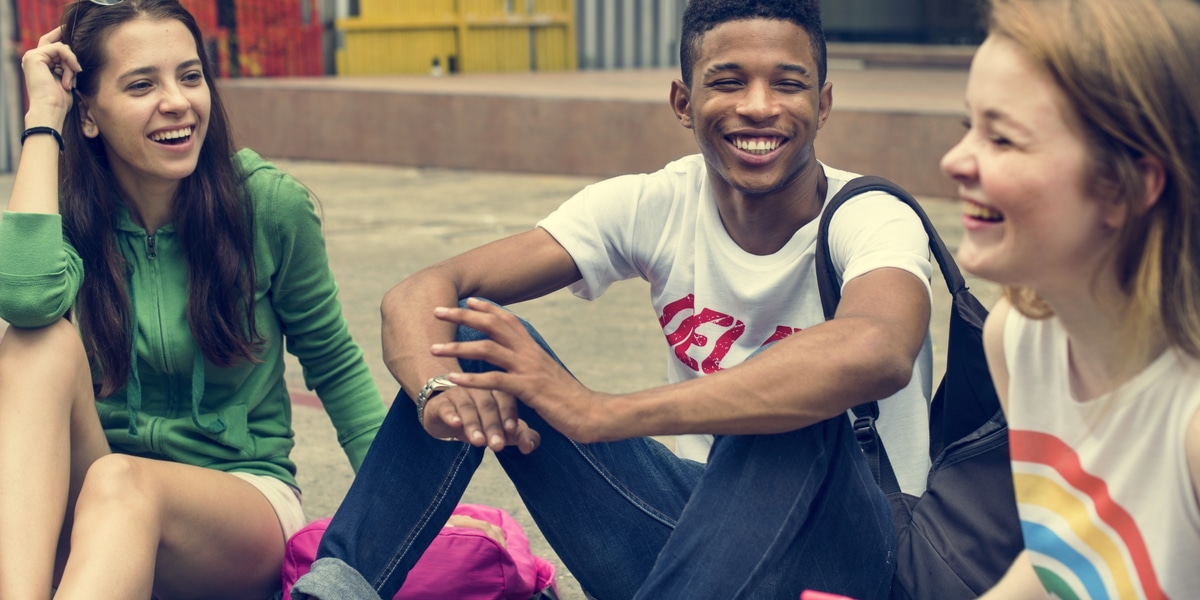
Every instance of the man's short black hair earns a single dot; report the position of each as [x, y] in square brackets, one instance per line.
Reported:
[700, 16]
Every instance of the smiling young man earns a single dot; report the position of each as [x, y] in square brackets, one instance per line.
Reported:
[769, 494]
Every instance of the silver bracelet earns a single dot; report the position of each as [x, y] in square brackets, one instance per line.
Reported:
[433, 387]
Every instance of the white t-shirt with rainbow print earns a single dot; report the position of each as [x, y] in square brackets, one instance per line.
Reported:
[1106, 500]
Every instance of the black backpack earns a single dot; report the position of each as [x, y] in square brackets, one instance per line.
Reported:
[961, 535]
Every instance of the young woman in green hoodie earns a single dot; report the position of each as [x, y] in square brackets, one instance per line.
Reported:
[151, 276]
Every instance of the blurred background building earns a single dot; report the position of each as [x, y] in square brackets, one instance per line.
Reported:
[313, 38]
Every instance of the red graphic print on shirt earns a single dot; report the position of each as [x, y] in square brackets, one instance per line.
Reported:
[781, 331]
[687, 335]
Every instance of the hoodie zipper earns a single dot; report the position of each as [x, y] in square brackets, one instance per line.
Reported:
[158, 342]
[156, 286]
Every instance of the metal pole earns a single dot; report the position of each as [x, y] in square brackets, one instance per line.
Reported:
[610, 33]
[669, 30]
[646, 32]
[587, 19]
[10, 90]
[628, 32]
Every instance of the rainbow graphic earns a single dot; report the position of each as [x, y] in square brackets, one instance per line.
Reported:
[1082, 543]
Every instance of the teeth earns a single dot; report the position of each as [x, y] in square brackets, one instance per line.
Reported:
[756, 145]
[982, 213]
[172, 135]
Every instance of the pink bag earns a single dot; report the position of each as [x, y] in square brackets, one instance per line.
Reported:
[462, 562]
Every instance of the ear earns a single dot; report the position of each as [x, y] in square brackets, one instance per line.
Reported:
[826, 104]
[681, 102]
[87, 122]
[1154, 179]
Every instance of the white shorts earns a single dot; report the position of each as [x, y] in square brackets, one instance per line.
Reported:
[283, 498]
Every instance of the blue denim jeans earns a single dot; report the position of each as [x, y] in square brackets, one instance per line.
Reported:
[768, 516]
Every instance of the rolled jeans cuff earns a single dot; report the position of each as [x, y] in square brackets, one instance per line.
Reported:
[332, 579]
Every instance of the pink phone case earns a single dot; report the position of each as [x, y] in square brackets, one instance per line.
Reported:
[815, 595]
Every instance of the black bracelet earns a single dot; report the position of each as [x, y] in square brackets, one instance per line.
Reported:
[49, 130]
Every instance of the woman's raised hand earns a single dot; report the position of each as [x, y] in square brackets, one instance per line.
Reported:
[50, 70]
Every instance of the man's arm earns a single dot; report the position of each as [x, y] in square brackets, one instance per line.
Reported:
[865, 353]
[517, 268]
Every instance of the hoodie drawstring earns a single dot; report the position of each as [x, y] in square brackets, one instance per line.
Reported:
[214, 425]
[133, 390]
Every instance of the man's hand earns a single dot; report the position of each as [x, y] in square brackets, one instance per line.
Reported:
[479, 417]
[486, 402]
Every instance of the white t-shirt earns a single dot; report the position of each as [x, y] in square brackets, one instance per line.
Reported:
[718, 304]
[1106, 500]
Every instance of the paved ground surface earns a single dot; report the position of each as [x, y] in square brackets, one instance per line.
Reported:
[383, 224]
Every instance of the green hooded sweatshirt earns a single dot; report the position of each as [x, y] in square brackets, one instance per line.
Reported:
[178, 406]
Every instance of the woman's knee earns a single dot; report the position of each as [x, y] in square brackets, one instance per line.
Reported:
[117, 483]
[55, 348]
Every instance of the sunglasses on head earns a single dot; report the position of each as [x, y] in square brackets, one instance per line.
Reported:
[75, 17]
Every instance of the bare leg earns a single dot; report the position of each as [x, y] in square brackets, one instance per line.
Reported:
[49, 434]
[197, 533]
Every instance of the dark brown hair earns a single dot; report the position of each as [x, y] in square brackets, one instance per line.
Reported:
[213, 218]
[701, 16]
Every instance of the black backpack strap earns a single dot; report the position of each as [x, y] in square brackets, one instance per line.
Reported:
[828, 283]
[867, 434]
[827, 275]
